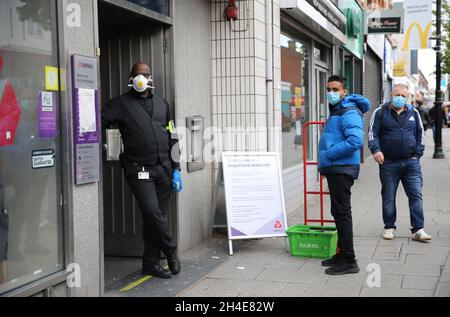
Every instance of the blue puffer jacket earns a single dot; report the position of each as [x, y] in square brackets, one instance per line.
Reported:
[343, 137]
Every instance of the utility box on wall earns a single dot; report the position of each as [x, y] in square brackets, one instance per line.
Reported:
[195, 143]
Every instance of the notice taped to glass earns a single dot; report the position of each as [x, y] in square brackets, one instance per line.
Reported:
[42, 159]
[254, 195]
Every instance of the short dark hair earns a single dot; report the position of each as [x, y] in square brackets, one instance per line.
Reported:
[340, 79]
[133, 71]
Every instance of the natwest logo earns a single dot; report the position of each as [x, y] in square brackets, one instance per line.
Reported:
[278, 225]
[85, 65]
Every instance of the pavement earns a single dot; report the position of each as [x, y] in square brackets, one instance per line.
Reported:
[397, 268]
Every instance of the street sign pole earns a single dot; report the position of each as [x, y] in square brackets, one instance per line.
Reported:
[438, 151]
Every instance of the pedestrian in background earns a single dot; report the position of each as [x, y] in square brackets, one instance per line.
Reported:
[432, 115]
[397, 142]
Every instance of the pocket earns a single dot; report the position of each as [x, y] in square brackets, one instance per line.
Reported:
[132, 169]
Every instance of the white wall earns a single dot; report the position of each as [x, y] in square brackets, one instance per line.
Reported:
[192, 67]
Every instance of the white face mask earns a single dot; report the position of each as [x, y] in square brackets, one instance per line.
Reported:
[140, 83]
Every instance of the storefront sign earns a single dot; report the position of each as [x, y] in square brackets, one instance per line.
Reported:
[327, 11]
[318, 15]
[85, 72]
[384, 25]
[418, 24]
[254, 195]
[384, 21]
[47, 115]
[399, 69]
[86, 125]
[355, 36]
[43, 159]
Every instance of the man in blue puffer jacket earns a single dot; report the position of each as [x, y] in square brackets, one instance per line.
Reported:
[339, 159]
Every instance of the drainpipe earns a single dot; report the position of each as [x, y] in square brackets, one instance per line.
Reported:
[269, 74]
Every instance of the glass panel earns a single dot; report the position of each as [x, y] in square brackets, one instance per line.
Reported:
[341, 62]
[160, 6]
[31, 240]
[295, 59]
[348, 73]
[321, 53]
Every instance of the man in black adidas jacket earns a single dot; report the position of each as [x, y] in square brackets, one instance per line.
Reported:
[397, 141]
[148, 135]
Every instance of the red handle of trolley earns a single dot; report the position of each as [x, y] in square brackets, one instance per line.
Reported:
[321, 192]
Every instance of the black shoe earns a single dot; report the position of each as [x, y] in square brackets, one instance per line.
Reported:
[333, 261]
[343, 267]
[174, 263]
[157, 271]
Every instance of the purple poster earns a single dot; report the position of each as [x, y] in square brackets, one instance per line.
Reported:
[86, 120]
[47, 115]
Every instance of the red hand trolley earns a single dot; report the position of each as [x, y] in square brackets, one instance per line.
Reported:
[321, 191]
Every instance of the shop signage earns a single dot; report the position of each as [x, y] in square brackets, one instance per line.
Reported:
[384, 21]
[254, 195]
[325, 8]
[384, 25]
[86, 123]
[355, 37]
[418, 24]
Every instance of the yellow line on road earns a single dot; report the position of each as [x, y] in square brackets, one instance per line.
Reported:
[139, 282]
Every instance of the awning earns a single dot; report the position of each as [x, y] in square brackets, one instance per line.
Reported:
[318, 15]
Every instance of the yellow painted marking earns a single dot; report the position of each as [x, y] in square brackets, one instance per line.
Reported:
[139, 282]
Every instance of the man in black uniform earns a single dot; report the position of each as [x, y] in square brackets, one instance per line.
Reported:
[148, 134]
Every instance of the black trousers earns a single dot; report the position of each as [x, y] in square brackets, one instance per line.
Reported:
[340, 193]
[153, 196]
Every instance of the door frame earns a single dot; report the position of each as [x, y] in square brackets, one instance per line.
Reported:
[316, 110]
[167, 21]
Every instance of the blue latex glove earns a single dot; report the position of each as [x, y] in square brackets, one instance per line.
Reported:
[177, 183]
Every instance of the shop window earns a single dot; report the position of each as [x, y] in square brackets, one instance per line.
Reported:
[34, 29]
[295, 60]
[321, 53]
[160, 6]
[31, 233]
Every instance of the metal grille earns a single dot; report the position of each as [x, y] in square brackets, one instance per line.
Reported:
[371, 87]
[234, 67]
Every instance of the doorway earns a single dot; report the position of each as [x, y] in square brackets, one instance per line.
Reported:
[320, 111]
[125, 38]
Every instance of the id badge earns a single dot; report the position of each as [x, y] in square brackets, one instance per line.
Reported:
[143, 175]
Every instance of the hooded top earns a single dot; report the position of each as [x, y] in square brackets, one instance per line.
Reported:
[343, 137]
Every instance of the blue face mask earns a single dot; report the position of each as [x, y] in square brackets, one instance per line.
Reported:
[398, 102]
[333, 97]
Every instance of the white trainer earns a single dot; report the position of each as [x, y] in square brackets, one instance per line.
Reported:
[421, 236]
[389, 234]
